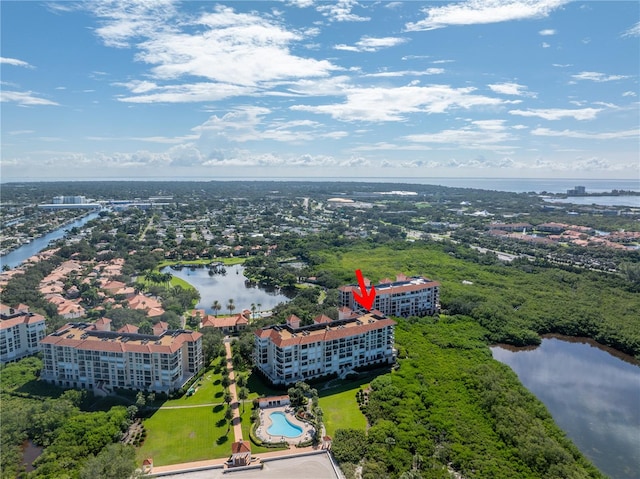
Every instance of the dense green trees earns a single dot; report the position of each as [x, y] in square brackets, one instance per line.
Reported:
[515, 302]
[116, 461]
[54, 420]
[449, 404]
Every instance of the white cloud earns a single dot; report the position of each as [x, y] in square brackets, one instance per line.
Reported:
[371, 44]
[510, 88]
[222, 46]
[558, 113]
[378, 104]
[15, 62]
[474, 12]
[547, 32]
[24, 98]
[546, 45]
[481, 134]
[598, 77]
[192, 92]
[21, 132]
[300, 3]
[616, 135]
[629, 93]
[634, 31]
[402, 73]
[341, 11]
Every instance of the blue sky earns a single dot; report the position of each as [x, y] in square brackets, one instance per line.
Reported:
[482, 88]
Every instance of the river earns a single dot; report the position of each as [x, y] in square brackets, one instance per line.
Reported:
[18, 255]
[592, 394]
[232, 285]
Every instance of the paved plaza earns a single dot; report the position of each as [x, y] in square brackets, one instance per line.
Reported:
[317, 466]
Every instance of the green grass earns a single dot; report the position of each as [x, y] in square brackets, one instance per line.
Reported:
[340, 408]
[182, 435]
[209, 390]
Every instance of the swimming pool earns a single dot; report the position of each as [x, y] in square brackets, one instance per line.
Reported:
[280, 426]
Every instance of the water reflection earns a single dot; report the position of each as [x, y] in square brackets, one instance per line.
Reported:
[232, 285]
[592, 395]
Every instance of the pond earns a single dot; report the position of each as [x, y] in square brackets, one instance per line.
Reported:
[592, 394]
[232, 285]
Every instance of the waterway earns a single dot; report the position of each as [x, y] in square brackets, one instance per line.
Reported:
[593, 394]
[631, 201]
[19, 255]
[233, 285]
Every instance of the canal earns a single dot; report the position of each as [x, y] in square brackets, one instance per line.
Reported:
[593, 395]
[19, 255]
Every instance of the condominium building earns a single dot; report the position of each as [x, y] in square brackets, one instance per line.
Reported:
[20, 332]
[91, 356]
[406, 296]
[287, 353]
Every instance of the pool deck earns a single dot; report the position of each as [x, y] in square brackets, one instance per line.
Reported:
[265, 423]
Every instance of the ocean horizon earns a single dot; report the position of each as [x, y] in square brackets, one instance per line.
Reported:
[514, 185]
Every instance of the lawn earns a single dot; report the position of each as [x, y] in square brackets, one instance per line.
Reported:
[209, 390]
[182, 435]
[340, 408]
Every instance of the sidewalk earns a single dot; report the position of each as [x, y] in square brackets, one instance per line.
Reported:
[235, 406]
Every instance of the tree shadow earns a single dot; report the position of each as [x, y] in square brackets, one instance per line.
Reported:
[219, 394]
[222, 439]
[221, 422]
[216, 382]
[218, 408]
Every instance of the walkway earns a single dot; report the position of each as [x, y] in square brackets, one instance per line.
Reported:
[293, 451]
[235, 405]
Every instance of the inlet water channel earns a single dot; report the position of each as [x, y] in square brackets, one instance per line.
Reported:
[592, 394]
[19, 255]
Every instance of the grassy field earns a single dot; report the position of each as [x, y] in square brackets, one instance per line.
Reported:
[182, 435]
[209, 390]
[340, 410]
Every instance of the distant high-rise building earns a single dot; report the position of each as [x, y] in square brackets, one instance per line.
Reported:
[577, 191]
[69, 200]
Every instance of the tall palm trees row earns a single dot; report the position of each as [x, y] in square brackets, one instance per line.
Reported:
[217, 306]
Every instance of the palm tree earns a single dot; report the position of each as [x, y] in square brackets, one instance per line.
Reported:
[242, 395]
[259, 307]
[253, 310]
[228, 415]
[216, 306]
[231, 306]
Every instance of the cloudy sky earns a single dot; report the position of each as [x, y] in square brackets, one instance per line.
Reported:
[303, 88]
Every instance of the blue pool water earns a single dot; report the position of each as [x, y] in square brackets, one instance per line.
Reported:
[280, 426]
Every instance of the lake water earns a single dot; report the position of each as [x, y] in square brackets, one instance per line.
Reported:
[593, 396]
[233, 285]
[17, 256]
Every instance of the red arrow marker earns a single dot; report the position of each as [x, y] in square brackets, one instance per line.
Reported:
[366, 298]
